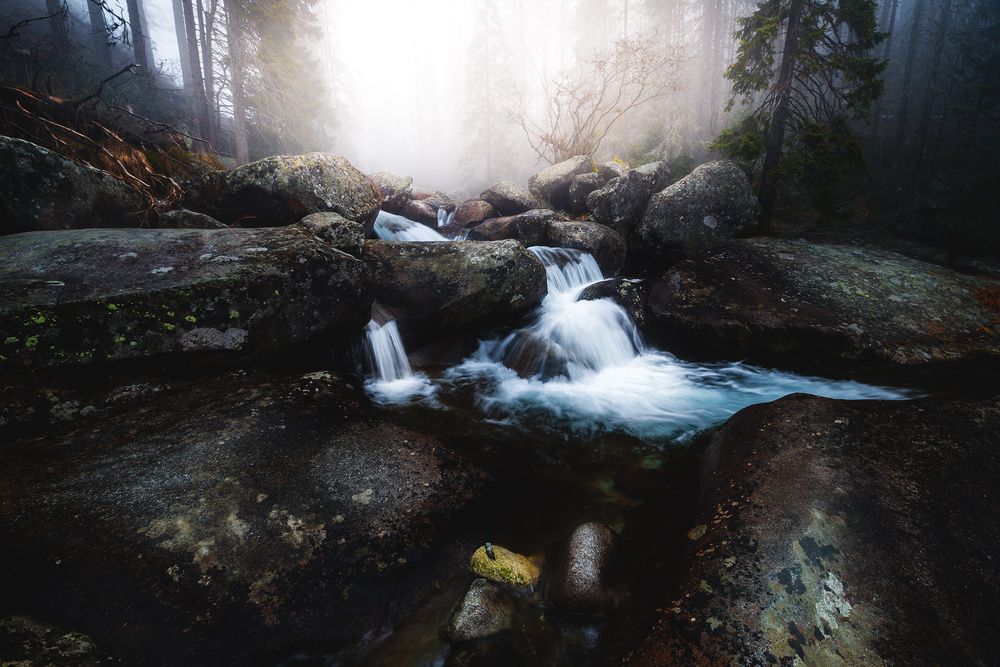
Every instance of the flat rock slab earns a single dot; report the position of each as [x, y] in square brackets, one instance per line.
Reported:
[770, 298]
[227, 521]
[92, 296]
[840, 533]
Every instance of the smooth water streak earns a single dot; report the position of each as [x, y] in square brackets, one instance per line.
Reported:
[392, 227]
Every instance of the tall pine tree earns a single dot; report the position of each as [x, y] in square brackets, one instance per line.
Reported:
[804, 103]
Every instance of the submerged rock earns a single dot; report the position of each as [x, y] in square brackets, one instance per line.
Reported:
[42, 190]
[621, 203]
[552, 184]
[530, 228]
[773, 299]
[221, 296]
[229, 520]
[281, 190]
[510, 199]
[605, 245]
[508, 569]
[484, 610]
[436, 287]
[840, 533]
[711, 204]
[584, 577]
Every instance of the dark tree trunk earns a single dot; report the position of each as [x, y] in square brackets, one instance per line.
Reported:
[182, 48]
[236, 85]
[911, 57]
[779, 117]
[99, 34]
[199, 85]
[138, 38]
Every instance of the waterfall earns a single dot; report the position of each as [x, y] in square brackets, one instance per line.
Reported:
[444, 217]
[392, 227]
[386, 353]
[392, 379]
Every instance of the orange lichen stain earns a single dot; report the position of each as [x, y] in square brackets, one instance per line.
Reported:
[989, 297]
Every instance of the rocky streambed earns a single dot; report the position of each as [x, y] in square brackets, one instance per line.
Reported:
[192, 472]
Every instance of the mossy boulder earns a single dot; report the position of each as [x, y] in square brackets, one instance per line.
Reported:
[606, 245]
[773, 299]
[472, 212]
[440, 287]
[628, 293]
[622, 202]
[42, 190]
[182, 218]
[510, 199]
[395, 190]
[552, 183]
[713, 203]
[343, 234]
[837, 533]
[231, 520]
[222, 296]
[510, 570]
[280, 190]
[581, 186]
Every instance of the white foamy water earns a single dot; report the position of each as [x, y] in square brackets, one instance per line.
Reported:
[582, 368]
[392, 227]
[392, 380]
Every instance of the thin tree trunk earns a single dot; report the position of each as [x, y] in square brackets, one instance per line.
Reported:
[99, 34]
[779, 117]
[886, 47]
[60, 36]
[240, 145]
[138, 38]
[182, 48]
[206, 23]
[201, 103]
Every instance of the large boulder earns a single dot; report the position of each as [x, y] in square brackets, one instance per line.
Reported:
[711, 204]
[483, 611]
[606, 245]
[552, 184]
[472, 212]
[228, 522]
[510, 199]
[530, 228]
[42, 190]
[839, 533]
[280, 190]
[621, 203]
[581, 186]
[395, 190]
[343, 234]
[94, 296]
[775, 299]
[628, 293]
[433, 288]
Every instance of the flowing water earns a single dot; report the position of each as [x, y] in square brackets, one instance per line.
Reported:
[589, 424]
[392, 227]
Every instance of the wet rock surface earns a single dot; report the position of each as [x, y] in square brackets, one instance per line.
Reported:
[395, 190]
[281, 190]
[606, 245]
[42, 190]
[629, 294]
[510, 199]
[483, 611]
[473, 212]
[339, 232]
[584, 579]
[773, 299]
[236, 517]
[530, 228]
[28, 642]
[184, 219]
[842, 533]
[94, 296]
[581, 186]
[711, 204]
[435, 287]
[101, 295]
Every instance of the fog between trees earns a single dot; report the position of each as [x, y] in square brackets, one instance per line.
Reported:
[460, 94]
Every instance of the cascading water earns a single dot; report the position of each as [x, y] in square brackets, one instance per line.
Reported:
[444, 217]
[392, 379]
[392, 227]
[582, 368]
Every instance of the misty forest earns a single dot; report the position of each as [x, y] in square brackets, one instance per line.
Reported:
[490, 332]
